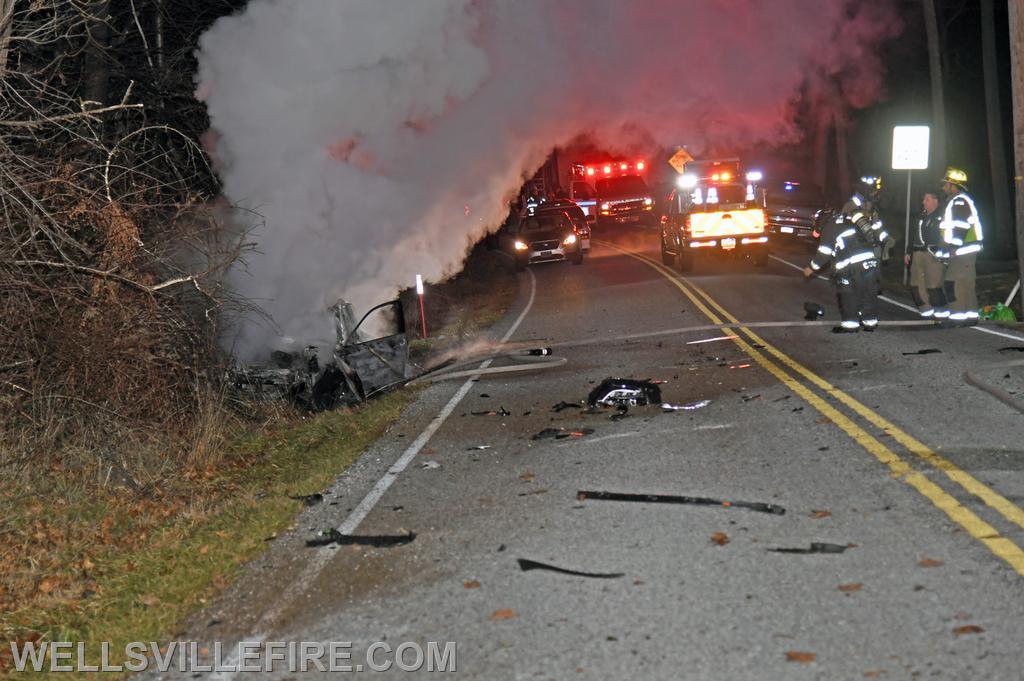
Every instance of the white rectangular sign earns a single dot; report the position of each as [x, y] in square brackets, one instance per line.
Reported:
[910, 147]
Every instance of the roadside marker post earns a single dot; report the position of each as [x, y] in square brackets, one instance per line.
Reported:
[910, 153]
[423, 314]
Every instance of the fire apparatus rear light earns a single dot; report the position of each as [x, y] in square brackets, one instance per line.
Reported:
[623, 166]
[754, 240]
[703, 244]
[640, 165]
[608, 170]
[716, 177]
[590, 170]
[726, 177]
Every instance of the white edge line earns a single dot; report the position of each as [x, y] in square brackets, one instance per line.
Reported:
[982, 329]
[230, 666]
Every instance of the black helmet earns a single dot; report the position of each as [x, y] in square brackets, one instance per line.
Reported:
[870, 187]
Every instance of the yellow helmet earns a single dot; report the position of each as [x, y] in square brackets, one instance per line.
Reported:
[955, 176]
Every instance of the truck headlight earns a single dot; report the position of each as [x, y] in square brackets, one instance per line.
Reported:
[520, 246]
[569, 240]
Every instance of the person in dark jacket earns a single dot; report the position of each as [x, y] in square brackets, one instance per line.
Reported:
[927, 260]
[848, 244]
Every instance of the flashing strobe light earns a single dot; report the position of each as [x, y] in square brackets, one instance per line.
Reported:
[755, 176]
[648, 201]
[623, 166]
[640, 165]
[750, 192]
[590, 170]
[687, 181]
[716, 177]
[726, 176]
[788, 186]
[608, 169]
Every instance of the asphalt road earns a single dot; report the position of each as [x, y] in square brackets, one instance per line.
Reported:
[889, 454]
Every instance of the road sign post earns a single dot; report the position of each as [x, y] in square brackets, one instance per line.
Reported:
[910, 153]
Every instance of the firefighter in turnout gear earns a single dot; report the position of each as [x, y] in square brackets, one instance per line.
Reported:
[848, 243]
[927, 260]
[962, 241]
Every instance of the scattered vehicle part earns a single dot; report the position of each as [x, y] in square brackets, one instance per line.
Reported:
[477, 448]
[501, 412]
[612, 392]
[813, 311]
[712, 340]
[527, 565]
[679, 499]
[332, 536]
[562, 406]
[309, 499]
[430, 464]
[926, 351]
[692, 406]
[815, 547]
[539, 352]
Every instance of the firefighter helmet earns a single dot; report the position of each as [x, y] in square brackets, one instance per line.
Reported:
[870, 187]
[955, 176]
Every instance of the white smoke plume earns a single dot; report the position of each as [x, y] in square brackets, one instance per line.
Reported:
[381, 138]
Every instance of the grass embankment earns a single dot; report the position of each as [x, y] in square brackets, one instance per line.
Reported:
[119, 548]
[90, 564]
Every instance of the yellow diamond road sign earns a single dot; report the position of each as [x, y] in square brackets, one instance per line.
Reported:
[679, 160]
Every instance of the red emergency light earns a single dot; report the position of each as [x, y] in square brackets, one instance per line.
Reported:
[608, 169]
[623, 166]
[590, 170]
[640, 165]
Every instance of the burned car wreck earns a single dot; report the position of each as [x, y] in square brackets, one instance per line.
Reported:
[358, 366]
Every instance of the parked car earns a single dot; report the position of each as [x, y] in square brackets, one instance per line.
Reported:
[791, 208]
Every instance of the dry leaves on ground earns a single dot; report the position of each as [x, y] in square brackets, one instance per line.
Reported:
[800, 656]
[503, 614]
[720, 538]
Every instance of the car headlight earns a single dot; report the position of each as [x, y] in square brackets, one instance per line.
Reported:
[569, 240]
[520, 246]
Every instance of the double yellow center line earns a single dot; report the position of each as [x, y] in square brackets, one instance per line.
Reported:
[957, 512]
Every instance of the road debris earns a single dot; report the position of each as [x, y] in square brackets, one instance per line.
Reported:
[562, 433]
[758, 506]
[968, 629]
[712, 340]
[526, 565]
[692, 406]
[503, 614]
[430, 464]
[851, 588]
[926, 351]
[720, 538]
[562, 406]
[533, 493]
[614, 392]
[471, 584]
[815, 547]
[478, 448]
[931, 563]
[751, 398]
[332, 536]
[501, 412]
[818, 515]
[800, 656]
[309, 499]
[812, 311]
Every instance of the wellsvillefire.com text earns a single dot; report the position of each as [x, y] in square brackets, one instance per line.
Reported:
[246, 656]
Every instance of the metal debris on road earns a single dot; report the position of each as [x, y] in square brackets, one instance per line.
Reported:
[815, 547]
[538, 352]
[679, 499]
[812, 311]
[430, 464]
[562, 433]
[501, 412]
[563, 405]
[926, 351]
[332, 536]
[751, 398]
[308, 499]
[478, 448]
[692, 406]
[712, 340]
[630, 392]
[526, 565]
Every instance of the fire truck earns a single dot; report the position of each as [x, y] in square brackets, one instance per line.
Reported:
[715, 208]
[612, 191]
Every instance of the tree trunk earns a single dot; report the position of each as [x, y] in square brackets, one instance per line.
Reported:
[1017, 79]
[97, 74]
[842, 156]
[938, 134]
[996, 153]
[6, 26]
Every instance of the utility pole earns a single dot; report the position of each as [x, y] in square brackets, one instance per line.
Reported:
[1017, 78]
[931, 24]
[994, 113]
